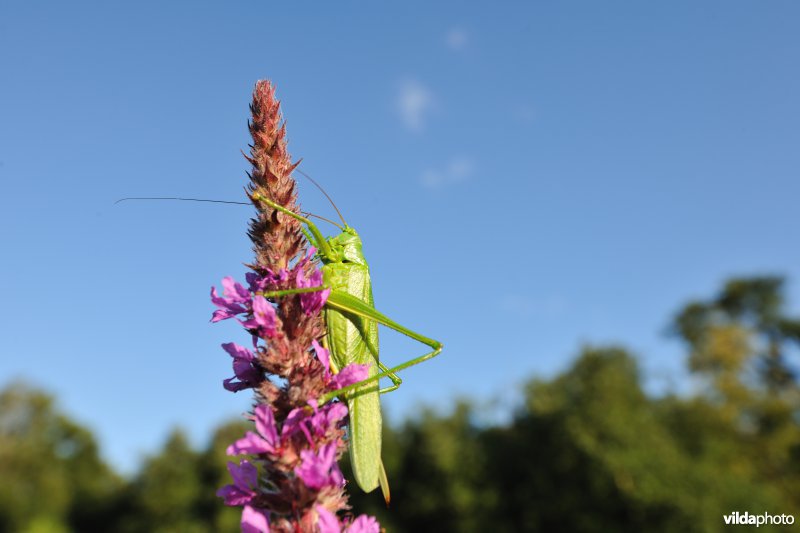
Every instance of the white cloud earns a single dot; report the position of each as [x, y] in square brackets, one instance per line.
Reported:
[456, 39]
[413, 103]
[456, 171]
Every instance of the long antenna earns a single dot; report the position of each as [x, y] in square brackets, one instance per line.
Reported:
[329, 221]
[216, 202]
[182, 200]
[309, 178]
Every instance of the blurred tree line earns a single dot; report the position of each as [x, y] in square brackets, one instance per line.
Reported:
[586, 451]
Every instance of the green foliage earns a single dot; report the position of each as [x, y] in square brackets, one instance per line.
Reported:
[586, 451]
[741, 342]
[754, 307]
[435, 464]
[175, 490]
[52, 477]
[166, 492]
[214, 474]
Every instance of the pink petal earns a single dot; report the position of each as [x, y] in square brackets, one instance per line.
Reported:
[234, 496]
[245, 476]
[250, 444]
[327, 521]
[235, 386]
[295, 421]
[265, 424]
[364, 524]
[234, 290]
[322, 354]
[254, 520]
[238, 352]
[352, 373]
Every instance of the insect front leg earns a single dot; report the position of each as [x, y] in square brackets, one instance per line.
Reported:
[288, 292]
[313, 234]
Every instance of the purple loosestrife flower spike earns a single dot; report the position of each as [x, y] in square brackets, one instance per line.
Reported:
[296, 442]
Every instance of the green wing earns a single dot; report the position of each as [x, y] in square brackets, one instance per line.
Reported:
[354, 339]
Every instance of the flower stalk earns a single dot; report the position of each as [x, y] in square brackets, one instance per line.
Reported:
[291, 479]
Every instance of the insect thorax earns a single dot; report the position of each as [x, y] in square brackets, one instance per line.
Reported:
[346, 248]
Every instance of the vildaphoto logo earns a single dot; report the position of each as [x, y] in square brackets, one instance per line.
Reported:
[746, 519]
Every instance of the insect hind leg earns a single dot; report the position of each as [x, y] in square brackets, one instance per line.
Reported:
[396, 380]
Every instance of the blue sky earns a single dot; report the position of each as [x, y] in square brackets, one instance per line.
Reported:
[528, 177]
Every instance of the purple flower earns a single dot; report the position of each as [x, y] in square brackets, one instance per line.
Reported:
[296, 421]
[238, 300]
[244, 368]
[276, 279]
[316, 424]
[364, 524]
[320, 469]
[235, 301]
[265, 442]
[256, 282]
[327, 521]
[352, 373]
[245, 477]
[311, 302]
[254, 520]
[262, 324]
[326, 419]
[323, 355]
[270, 281]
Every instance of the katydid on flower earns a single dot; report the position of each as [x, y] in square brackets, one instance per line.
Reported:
[352, 337]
